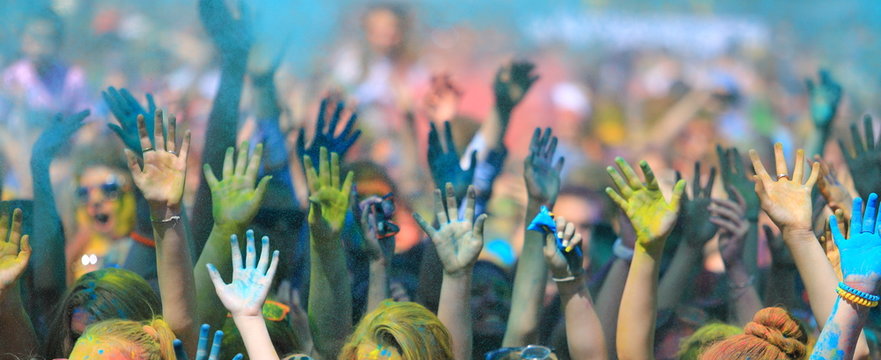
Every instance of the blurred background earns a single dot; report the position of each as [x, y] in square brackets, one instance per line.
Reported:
[662, 81]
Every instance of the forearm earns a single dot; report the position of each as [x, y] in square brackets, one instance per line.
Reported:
[743, 295]
[265, 98]
[609, 301]
[636, 317]
[217, 252]
[454, 311]
[583, 327]
[256, 337]
[176, 281]
[529, 285]
[678, 275]
[377, 288]
[839, 337]
[222, 126]
[16, 329]
[751, 247]
[330, 298]
[50, 239]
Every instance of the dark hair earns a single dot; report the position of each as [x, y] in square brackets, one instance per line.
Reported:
[105, 294]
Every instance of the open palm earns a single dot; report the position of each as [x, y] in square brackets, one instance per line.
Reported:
[235, 201]
[328, 198]
[15, 251]
[245, 294]
[161, 179]
[787, 200]
[458, 242]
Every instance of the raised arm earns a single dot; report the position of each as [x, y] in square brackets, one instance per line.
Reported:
[161, 179]
[542, 176]
[51, 260]
[825, 95]
[245, 294]
[326, 135]
[205, 351]
[583, 329]
[694, 229]
[235, 203]
[18, 334]
[735, 178]
[232, 38]
[860, 265]
[512, 83]
[330, 292]
[787, 201]
[374, 216]
[653, 218]
[743, 299]
[458, 241]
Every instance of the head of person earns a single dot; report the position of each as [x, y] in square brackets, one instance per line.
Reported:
[385, 28]
[119, 339]
[773, 334]
[42, 36]
[275, 316]
[398, 330]
[104, 191]
[100, 295]
[691, 347]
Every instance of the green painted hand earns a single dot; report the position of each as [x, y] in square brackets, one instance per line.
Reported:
[864, 160]
[694, 223]
[234, 199]
[734, 175]
[652, 216]
[329, 200]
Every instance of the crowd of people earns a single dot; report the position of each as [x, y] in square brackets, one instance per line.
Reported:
[394, 223]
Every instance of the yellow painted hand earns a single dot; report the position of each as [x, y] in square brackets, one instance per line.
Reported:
[161, 179]
[15, 251]
[329, 201]
[234, 199]
[652, 216]
[786, 200]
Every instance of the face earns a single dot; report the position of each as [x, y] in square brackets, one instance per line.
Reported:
[370, 351]
[100, 193]
[382, 30]
[490, 302]
[40, 41]
[90, 347]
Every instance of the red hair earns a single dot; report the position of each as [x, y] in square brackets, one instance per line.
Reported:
[773, 334]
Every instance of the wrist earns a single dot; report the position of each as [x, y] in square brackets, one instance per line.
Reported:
[159, 212]
[863, 283]
[571, 287]
[796, 232]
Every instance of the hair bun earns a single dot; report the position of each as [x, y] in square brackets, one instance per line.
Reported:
[778, 328]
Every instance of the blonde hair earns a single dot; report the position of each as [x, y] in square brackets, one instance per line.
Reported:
[152, 339]
[773, 334]
[408, 327]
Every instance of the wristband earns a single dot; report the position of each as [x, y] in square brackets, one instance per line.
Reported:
[856, 296]
[173, 220]
[622, 252]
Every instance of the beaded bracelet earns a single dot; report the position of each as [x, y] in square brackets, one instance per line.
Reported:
[856, 296]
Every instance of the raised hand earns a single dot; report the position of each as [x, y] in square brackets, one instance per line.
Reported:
[57, 134]
[828, 242]
[694, 223]
[125, 109]
[734, 176]
[329, 201]
[512, 83]
[836, 195]
[244, 296]
[202, 353]
[324, 135]
[825, 97]
[652, 216]
[865, 160]
[230, 31]
[15, 251]
[861, 249]
[786, 199]
[373, 215]
[542, 175]
[235, 201]
[443, 161]
[555, 258]
[730, 216]
[458, 241]
[442, 100]
[161, 179]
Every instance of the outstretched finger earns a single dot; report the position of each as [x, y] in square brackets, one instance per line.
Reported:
[202, 352]
[254, 166]
[798, 169]
[815, 174]
[311, 175]
[228, 168]
[159, 130]
[142, 134]
[617, 199]
[857, 141]
[650, 178]
[856, 217]
[323, 167]
[869, 213]
[439, 211]
[870, 132]
[619, 181]
[426, 227]
[236, 252]
[678, 190]
[250, 250]
[469, 204]
[172, 132]
[334, 170]
[15, 233]
[215, 346]
[780, 161]
[452, 206]
[837, 236]
[450, 145]
[242, 158]
[758, 167]
[263, 263]
[629, 174]
[273, 266]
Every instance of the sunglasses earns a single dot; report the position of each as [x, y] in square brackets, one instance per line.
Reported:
[273, 311]
[111, 190]
[526, 352]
